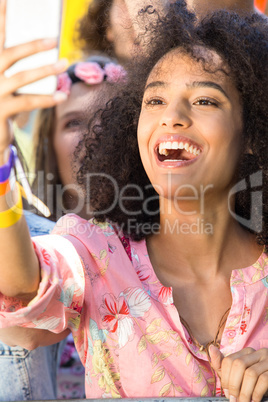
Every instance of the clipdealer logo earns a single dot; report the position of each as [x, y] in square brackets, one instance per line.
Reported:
[254, 223]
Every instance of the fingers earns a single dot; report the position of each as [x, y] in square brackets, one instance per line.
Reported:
[216, 358]
[233, 367]
[2, 24]
[261, 389]
[13, 54]
[256, 378]
[17, 104]
[13, 83]
[21, 103]
[244, 375]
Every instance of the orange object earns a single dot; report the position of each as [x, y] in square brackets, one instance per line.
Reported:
[261, 5]
[4, 187]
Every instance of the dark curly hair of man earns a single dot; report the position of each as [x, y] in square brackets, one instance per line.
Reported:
[242, 43]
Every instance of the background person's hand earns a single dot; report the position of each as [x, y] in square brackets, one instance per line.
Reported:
[244, 375]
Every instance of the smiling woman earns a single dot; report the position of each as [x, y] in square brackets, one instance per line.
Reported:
[189, 306]
[199, 112]
[220, 95]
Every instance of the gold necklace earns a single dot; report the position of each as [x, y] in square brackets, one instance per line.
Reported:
[215, 342]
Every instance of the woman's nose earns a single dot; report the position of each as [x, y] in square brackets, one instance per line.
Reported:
[175, 115]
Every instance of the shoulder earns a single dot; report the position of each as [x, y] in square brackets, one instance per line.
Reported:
[101, 240]
[93, 234]
[74, 225]
[100, 246]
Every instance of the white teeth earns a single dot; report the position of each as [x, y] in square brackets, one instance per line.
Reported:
[173, 160]
[164, 147]
[163, 150]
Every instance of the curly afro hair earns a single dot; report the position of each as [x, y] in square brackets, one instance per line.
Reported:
[242, 43]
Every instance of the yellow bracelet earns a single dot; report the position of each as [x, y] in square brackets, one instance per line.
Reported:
[11, 216]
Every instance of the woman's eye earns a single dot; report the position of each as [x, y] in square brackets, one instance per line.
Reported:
[205, 102]
[154, 102]
[73, 123]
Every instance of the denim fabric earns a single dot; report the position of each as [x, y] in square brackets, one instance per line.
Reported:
[30, 375]
[38, 225]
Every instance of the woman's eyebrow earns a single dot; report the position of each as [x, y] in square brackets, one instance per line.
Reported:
[155, 84]
[195, 84]
[73, 114]
[207, 84]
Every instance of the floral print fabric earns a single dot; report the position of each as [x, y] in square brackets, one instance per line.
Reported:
[126, 328]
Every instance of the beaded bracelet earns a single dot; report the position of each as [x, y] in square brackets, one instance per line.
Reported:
[11, 216]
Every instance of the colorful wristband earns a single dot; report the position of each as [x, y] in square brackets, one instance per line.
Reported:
[6, 169]
[4, 187]
[11, 216]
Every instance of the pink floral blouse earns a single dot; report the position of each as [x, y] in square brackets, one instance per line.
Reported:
[126, 328]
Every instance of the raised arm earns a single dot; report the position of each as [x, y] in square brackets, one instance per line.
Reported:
[19, 268]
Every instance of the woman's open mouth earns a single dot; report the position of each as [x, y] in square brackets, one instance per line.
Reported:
[177, 153]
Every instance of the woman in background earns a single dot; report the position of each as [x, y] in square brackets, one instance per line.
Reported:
[57, 130]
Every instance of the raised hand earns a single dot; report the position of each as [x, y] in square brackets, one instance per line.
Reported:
[19, 264]
[244, 375]
[11, 104]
